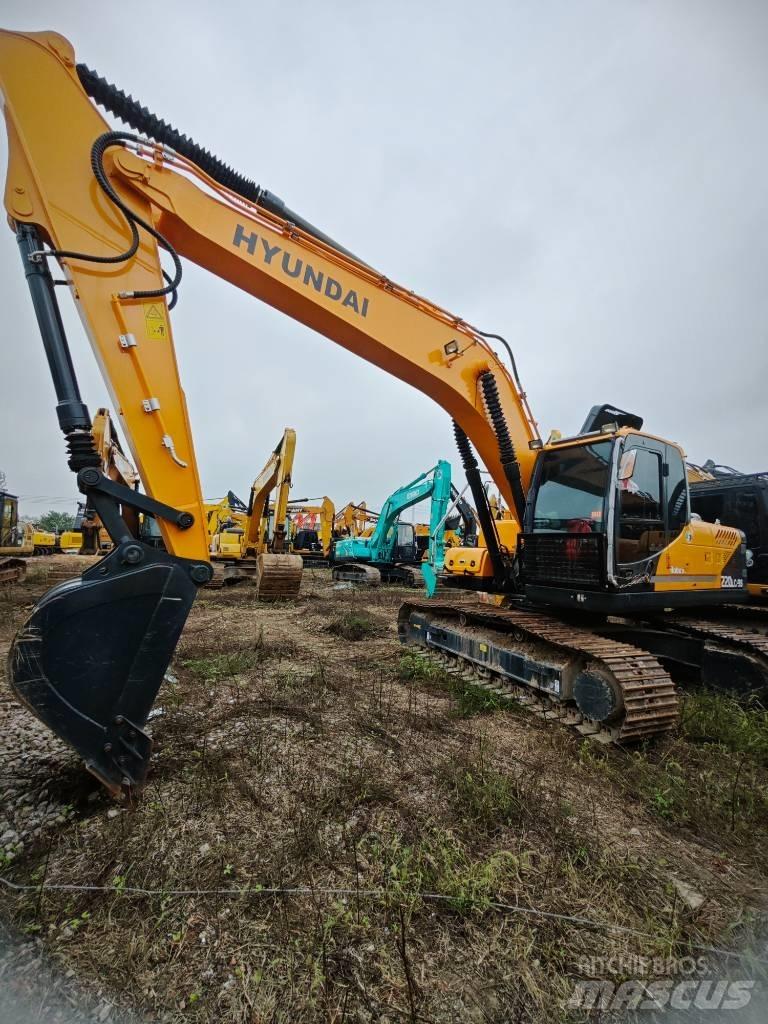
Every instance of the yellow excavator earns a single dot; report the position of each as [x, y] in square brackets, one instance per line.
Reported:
[252, 540]
[604, 576]
[312, 527]
[19, 541]
[353, 520]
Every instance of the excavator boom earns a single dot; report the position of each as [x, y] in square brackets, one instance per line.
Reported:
[105, 204]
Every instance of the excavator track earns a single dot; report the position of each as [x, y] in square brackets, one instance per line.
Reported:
[216, 582]
[742, 641]
[12, 570]
[352, 572]
[411, 576]
[608, 689]
[273, 575]
[752, 617]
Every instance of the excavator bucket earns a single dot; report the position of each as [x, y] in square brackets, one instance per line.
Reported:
[90, 659]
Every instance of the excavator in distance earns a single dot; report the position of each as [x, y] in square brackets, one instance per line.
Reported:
[88, 536]
[603, 572]
[19, 540]
[254, 543]
[312, 530]
[392, 553]
[353, 520]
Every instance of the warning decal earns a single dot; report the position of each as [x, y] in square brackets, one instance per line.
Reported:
[155, 322]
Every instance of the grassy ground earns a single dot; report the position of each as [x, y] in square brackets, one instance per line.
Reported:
[299, 747]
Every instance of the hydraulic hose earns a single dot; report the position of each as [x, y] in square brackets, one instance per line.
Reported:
[141, 119]
[134, 221]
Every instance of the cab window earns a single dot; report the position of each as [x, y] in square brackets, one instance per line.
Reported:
[572, 487]
[641, 518]
[677, 492]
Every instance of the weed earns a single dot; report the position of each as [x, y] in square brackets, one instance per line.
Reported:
[354, 625]
[684, 784]
[718, 718]
[215, 667]
[414, 667]
[438, 862]
[487, 799]
[470, 700]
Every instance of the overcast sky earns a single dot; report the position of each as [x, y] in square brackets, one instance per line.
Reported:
[586, 177]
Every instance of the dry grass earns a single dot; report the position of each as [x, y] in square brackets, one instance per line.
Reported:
[289, 757]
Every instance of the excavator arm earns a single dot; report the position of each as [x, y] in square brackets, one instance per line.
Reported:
[104, 205]
[351, 519]
[276, 476]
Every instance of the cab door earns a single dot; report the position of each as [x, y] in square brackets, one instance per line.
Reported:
[406, 549]
[641, 520]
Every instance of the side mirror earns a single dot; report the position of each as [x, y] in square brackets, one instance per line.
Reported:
[627, 464]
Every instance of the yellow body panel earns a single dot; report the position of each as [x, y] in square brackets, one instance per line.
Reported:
[70, 541]
[227, 545]
[698, 559]
[475, 561]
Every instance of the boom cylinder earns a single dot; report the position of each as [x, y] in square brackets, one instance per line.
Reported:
[480, 498]
[507, 453]
[72, 412]
[70, 408]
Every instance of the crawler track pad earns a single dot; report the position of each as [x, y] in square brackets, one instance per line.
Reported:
[12, 570]
[355, 572]
[92, 655]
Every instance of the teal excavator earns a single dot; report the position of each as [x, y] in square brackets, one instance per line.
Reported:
[392, 554]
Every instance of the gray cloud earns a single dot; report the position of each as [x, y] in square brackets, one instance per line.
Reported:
[587, 179]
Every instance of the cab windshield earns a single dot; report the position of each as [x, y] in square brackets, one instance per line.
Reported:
[573, 483]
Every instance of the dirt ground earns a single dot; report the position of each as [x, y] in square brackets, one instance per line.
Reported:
[335, 831]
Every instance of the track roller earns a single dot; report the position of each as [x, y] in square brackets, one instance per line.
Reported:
[354, 572]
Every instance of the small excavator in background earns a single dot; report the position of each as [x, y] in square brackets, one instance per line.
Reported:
[88, 536]
[498, 509]
[226, 521]
[353, 520]
[595, 594]
[19, 541]
[311, 530]
[392, 553]
[252, 541]
[722, 494]
[463, 528]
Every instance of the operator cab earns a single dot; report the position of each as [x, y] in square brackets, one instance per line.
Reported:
[609, 512]
[406, 548]
[306, 540]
